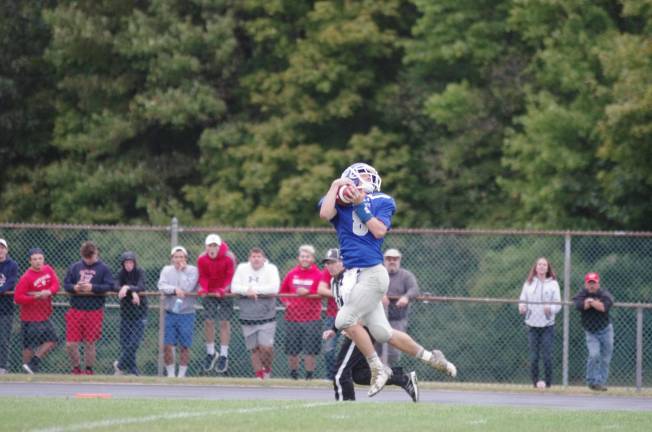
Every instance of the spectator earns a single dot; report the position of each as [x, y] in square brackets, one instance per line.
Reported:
[8, 276]
[333, 266]
[87, 280]
[34, 296]
[177, 281]
[129, 282]
[216, 267]
[303, 315]
[257, 281]
[402, 284]
[594, 304]
[539, 287]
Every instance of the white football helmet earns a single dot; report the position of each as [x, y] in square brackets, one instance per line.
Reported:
[355, 173]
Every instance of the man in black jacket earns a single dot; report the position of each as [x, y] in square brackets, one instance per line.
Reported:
[594, 304]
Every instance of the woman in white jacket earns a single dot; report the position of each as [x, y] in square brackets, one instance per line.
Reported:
[539, 288]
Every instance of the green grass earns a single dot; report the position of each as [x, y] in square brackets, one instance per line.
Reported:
[64, 414]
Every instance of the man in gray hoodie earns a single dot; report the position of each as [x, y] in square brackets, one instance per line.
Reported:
[257, 282]
[177, 281]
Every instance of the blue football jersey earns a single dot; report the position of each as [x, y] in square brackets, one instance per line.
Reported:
[358, 246]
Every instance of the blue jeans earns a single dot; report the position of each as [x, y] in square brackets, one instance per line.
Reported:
[540, 343]
[601, 346]
[131, 335]
[329, 349]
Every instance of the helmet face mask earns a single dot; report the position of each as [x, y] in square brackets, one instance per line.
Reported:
[364, 177]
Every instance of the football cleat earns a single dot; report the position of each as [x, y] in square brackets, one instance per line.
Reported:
[411, 386]
[439, 362]
[379, 377]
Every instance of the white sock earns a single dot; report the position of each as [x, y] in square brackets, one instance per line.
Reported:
[224, 350]
[210, 348]
[170, 370]
[374, 361]
[424, 355]
[182, 371]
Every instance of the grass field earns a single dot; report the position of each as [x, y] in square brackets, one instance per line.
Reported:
[62, 414]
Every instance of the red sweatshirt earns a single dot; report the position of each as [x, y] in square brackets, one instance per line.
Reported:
[215, 275]
[331, 306]
[32, 309]
[301, 309]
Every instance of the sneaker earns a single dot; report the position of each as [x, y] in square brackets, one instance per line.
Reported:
[76, 370]
[294, 374]
[411, 386]
[209, 362]
[439, 362]
[597, 387]
[28, 369]
[379, 378]
[116, 370]
[222, 364]
[89, 371]
[267, 373]
[260, 374]
[310, 375]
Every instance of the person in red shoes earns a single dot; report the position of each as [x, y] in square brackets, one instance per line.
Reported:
[302, 314]
[216, 268]
[33, 295]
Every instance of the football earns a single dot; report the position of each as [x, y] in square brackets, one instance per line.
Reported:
[344, 196]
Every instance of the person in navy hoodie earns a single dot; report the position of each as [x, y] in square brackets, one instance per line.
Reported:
[8, 277]
[130, 284]
[87, 281]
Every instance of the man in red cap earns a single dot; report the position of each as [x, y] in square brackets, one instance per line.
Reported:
[594, 304]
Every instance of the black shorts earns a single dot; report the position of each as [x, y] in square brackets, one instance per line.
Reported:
[36, 333]
[217, 309]
[303, 337]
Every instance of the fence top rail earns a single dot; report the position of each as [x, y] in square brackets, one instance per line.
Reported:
[421, 298]
[416, 231]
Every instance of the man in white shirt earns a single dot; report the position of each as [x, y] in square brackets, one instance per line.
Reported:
[257, 282]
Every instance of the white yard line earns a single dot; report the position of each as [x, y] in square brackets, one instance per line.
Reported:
[172, 416]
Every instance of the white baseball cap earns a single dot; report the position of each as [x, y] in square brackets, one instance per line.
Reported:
[179, 248]
[213, 238]
[395, 253]
[3, 242]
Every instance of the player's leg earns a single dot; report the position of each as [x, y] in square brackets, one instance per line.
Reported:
[347, 358]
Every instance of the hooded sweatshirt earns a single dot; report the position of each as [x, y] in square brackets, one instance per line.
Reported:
[301, 309]
[215, 274]
[537, 291]
[135, 279]
[8, 278]
[99, 276]
[265, 281]
[31, 308]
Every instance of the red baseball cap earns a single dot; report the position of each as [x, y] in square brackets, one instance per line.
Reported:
[592, 277]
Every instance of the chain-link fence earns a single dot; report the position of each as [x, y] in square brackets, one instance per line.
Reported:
[469, 281]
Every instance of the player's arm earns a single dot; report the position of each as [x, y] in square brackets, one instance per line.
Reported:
[376, 226]
[327, 210]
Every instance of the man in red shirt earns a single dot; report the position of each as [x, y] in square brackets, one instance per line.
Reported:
[216, 268]
[34, 296]
[302, 315]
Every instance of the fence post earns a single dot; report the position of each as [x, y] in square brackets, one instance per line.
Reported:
[639, 348]
[567, 288]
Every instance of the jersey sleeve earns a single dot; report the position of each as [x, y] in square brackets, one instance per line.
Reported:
[383, 209]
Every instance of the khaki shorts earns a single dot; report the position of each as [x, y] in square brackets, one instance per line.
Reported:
[259, 335]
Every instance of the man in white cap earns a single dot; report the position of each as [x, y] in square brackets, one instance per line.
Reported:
[8, 278]
[177, 281]
[216, 268]
[403, 288]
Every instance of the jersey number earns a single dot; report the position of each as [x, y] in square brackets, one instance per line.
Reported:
[359, 228]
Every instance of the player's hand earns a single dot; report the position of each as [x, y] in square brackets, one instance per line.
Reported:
[402, 302]
[181, 293]
[357, 196]
[522, 309]
[252, 294]
[341, 182]
[328, 334]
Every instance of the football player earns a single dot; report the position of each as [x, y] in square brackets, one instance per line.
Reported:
[361, 228]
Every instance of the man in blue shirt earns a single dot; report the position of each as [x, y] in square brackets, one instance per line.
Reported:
[361, 228]
[8, 277]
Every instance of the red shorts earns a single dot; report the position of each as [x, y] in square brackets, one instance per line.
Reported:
[84, 325]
